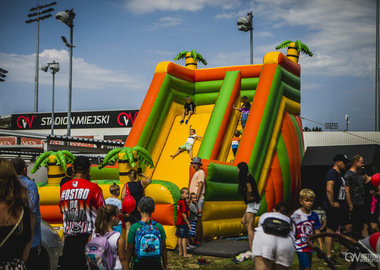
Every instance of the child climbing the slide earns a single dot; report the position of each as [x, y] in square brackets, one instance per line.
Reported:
[189, 109]
[188, 146]
[235, 142]
[244, 112]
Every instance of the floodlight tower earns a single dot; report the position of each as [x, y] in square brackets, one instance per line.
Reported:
[37, 11]
[67, 17]
[245, 24]
[54, 67]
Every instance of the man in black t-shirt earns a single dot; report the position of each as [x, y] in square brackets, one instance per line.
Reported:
[355, 193]
[337, 213]
[189, 109]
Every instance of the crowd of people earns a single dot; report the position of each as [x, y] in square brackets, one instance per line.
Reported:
[89, 221]
[351, 207]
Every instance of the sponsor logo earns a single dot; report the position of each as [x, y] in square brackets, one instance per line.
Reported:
[123, 118]
[25, 121]
[362, 257]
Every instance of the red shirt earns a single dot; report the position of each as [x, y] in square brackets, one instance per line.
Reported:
[182, 207]
[79, 202]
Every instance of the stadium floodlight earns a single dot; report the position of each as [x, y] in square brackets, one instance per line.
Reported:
[67, 17]
[245, 24]
[54, 67]
[39, 10]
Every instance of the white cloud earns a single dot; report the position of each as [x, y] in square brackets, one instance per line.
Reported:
[146, 6]
[166, 22]
[340, 33]
[85, 75]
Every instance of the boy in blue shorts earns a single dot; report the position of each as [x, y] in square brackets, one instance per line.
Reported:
[307, 222]
[183, 224]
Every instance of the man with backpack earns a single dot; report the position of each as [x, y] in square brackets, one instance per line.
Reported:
[146, 240]
[79, 202]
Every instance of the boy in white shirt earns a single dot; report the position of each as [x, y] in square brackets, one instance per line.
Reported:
[188, 146]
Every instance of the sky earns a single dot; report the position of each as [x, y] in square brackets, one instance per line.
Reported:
[118, 43]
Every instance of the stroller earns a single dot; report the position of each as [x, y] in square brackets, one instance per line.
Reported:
[362, 254]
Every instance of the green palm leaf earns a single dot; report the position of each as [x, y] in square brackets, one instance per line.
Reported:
[284, 44]
[181, 55]
[305, 50]
[298, 45]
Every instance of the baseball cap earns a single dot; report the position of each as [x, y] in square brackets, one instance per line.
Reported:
[341, 157]
[187, 98]
[196, 160]
[81, 163]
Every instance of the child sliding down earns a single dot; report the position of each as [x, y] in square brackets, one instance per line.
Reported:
[188, 146]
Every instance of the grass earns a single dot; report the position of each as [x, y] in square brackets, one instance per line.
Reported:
[177, 262]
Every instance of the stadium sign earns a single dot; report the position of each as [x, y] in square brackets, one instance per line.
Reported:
[90, 119]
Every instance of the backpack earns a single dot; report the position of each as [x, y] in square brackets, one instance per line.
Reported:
[276, 226]
[148, 241]
[98, 252]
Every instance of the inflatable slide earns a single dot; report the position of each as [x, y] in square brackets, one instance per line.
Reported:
[271, 144]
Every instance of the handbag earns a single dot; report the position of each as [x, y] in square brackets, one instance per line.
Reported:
[14, 228]
[276, 226]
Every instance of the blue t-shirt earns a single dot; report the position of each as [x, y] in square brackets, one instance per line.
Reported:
[339, 188]
[306, 224]
[35, 207]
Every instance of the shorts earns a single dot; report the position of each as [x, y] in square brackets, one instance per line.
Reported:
[305, 259]
[193, 225]
[336, 217]
[278, 249]
[187, 112]
[73, 256]
[182, 231]
[187, 146]
[253, 208]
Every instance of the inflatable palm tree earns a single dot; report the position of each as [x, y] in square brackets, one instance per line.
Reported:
[127, 158]
[56, 163]
[192, 58]
[294, 49]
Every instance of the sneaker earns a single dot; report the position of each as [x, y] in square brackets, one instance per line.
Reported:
[333, 261]
[191, 246]
[181, 122]
[186, 122]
